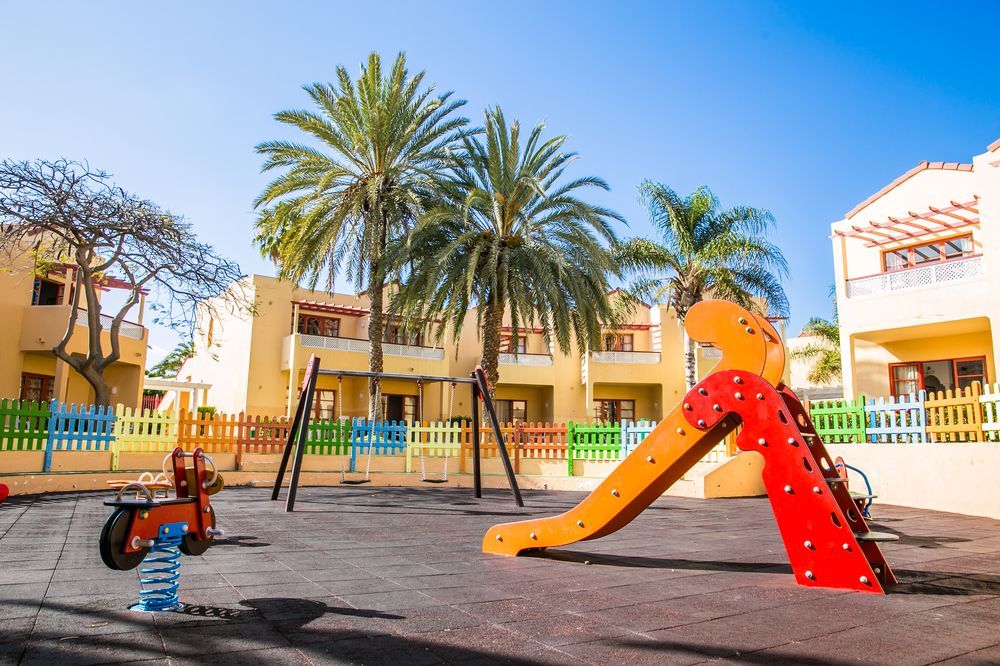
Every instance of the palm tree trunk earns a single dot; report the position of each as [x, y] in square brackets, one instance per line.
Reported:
[492, 329]
[376, 330]
[690, 361]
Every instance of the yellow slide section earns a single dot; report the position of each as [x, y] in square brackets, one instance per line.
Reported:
[749, 343]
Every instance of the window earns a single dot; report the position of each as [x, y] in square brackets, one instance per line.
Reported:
[622, 342]
[522, 345]
[325, 404]
[614, 410]
[37, 388]
[927, 253]
[396, 335]
[400, 407]
[512, 411]
[328, 327]
[46, 292]
[934, 376]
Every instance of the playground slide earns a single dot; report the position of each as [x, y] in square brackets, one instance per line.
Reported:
[748, 343]
[656, 464]
[826, 537]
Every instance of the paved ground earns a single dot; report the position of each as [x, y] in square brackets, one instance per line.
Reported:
[372, 575]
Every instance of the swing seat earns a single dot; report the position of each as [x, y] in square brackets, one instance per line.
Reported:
[433, 481]
[354, 482]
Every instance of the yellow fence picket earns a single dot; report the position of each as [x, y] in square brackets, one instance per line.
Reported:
[955, 416]
[142, 431]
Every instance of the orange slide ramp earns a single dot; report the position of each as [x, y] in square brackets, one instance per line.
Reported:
[749, 343]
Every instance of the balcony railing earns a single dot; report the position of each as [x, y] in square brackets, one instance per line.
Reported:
[523, 358]
[355, 345]
[626, 358]
[953, 270]
[127, 329]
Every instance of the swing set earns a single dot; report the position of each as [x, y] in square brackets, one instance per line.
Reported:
[298, 431]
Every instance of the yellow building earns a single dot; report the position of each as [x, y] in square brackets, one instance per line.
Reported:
[35, 310]
[916, 289]
[255, 362]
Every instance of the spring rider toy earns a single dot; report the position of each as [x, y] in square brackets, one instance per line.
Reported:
[152, 529]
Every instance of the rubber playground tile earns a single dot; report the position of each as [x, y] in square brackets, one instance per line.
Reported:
[17, 629]
[560, 629]
[391, 601]
[67, 618]
[94, 649]
[271, 656]
[432, 620]
[305, 590]
[16, 576]
[989, 655]
[192, 641]
[470, 594]
[362, 585]
[344, 572]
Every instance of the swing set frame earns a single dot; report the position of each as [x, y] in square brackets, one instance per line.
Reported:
[300, 426]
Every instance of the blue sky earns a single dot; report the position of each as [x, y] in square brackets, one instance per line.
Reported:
[801, 108]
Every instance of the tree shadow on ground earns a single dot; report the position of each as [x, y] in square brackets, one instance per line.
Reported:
[261, 624]
[773, 656]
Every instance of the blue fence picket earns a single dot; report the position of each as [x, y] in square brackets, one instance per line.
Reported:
[633, 433]
[385, 438]
[78, 428]
[898, 419]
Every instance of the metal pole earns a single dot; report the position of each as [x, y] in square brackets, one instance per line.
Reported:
[484, 391]
[287, 452]
[300, 439]
[477, 475]
[399, 375]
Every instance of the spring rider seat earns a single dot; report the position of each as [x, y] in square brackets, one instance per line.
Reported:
[152, 529]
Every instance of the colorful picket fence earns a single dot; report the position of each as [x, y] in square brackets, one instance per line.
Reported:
[24, 426]
[990, 400]
[839, 421]
[955, 416]
[896, 418]
[57, 427]
[78, 428]
[382, 438]
[969, 414]
[593, 441]
[436, 439]
[633, 434]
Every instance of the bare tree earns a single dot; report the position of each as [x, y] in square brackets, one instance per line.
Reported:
[77, 216]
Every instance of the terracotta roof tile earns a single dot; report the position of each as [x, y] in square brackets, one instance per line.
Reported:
[993, 146]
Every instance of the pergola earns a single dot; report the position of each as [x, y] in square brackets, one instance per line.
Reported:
[946, 219]
[197, 390]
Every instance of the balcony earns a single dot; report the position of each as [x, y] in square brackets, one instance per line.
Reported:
[361, 346]
[626, 357]
[42, 326]
[942, 272]
[127, 329]
[523, 358]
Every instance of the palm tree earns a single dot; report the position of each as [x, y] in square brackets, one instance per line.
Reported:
[510, 236]
[824, 350]
[705, 251]
[377, 153]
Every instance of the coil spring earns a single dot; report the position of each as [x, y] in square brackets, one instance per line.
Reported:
[160, 568]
